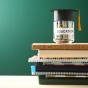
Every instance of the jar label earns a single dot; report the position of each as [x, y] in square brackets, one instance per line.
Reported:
[64, 33]
[63, 30]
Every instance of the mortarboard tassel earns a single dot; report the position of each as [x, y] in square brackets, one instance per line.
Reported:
[79, 24]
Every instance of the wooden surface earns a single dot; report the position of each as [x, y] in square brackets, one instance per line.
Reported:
[54, 46]
[29, 82]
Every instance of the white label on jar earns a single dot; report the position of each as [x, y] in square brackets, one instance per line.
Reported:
[64, 33]
[63, 30]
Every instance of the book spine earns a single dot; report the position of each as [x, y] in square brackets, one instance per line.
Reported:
[61, 68]
[60, 47]
[63, 53]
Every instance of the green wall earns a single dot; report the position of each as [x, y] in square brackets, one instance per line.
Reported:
[23, 22]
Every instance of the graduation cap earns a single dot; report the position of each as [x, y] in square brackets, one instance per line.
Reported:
[66, 15]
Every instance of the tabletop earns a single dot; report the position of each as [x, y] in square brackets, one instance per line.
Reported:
[29, 82]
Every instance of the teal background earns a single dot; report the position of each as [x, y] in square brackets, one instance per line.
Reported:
[23, 22]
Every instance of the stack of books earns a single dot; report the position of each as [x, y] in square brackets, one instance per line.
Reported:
[60, 60]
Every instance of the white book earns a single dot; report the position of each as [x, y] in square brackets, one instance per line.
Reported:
[63, 53]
